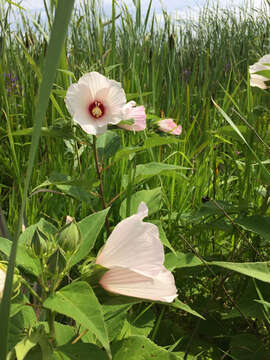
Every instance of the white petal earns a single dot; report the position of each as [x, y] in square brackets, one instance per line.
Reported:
[78, 97]
[131, 283]
[134, 244]
[95, 82]
[258, 81]
[2, 282]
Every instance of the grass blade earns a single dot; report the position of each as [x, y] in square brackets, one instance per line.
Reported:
[59, 30]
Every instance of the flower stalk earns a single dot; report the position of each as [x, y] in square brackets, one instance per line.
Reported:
[99, 174]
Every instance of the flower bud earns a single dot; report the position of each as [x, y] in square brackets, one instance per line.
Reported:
[39, 242]
[69, 237]
[56, 262]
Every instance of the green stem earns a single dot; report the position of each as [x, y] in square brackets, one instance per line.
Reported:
[50, 319]
[31, 290]
[99, 174]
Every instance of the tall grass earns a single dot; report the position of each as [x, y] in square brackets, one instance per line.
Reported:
[175, 69]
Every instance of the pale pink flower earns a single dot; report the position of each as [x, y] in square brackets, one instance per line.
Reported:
[169, 126]
[135, 113]
[2, 282]
[134, 256]
[257, 79]
[95, 101]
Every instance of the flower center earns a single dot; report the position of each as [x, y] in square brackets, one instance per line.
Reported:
[96, 109]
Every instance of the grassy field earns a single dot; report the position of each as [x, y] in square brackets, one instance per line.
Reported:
[207, 189]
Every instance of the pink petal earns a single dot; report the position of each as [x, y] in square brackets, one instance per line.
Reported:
[169, 126]
[134, 244]
[131, 283]
[136, 113]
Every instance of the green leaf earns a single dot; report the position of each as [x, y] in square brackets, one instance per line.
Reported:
[59, 30]
[139, 324]
[144, 171]
[77, 192]
[125, 152]
[152, 198]
[23, 258]
[37, 336]
[115, 316]
[52, 131]
[180, 260]
[140, 348]
[89, 227]
[257, 223]
[107, 144]
[180, 305]
[248, 347]
[82, 351]
[79, 302]
[162, 234]
[265, 73]
[257, 270]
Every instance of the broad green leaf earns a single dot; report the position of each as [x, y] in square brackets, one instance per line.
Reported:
[256, 223]
[139, 324]
[63, 333]
[246, 305]
[77, 192]
[79, 302]
[125, 152]
[114, 318]
[154, 169]
[107, 144]
[140, 348]
[180, 260]
[257, 270]
[89, 227]
[248, 347]
[81, 351]
[152, 198]
[23, 258]
[37, 336]
[180, 305]
[53, 131]
[23, 320]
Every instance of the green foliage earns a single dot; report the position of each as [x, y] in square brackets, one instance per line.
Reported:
[207, 190]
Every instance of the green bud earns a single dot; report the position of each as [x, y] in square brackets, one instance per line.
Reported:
[39, 242]
[69, 237]
[92, 273]
[56, 262]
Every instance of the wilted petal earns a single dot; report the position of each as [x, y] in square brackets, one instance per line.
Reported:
[134, 244]
[131, 283]
[169, 126]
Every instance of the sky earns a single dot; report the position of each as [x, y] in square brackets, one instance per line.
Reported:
[177, 9]
[171, 6]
